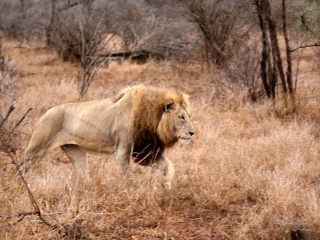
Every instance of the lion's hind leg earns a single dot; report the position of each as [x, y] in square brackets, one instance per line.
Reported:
[30, 159]
[78, 158]
[41, 143]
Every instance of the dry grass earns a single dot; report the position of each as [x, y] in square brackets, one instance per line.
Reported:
[248, 174]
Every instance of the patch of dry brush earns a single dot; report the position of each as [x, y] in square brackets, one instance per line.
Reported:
[248, 174]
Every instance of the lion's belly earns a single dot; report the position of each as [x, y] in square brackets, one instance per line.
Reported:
[96, 148]
[99, 144]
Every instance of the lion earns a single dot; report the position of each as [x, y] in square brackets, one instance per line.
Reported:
[138, 123]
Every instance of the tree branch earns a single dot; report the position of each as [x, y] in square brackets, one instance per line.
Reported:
[23, 117]
[10, 110]
[317, 44]
[33, 201]
[72, 5]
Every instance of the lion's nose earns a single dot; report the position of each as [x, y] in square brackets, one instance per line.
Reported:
[191, 133]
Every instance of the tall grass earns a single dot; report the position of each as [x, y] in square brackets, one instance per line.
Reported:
[249, 173]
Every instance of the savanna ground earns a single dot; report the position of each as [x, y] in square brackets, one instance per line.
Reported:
[252, 171]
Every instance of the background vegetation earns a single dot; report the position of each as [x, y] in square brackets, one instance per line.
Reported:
[252, 169]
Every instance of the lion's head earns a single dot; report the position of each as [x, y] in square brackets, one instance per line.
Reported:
[160, 118]
[175, 121]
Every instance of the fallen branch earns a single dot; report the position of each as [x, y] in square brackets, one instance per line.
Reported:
[72, 5]
[132, 54]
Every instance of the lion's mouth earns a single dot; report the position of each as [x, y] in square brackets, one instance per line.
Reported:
[185, 138]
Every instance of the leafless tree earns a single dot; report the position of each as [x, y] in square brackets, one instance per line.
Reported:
[272, 66]
[220, 25]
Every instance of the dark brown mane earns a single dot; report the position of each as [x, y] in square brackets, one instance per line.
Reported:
[149, 132]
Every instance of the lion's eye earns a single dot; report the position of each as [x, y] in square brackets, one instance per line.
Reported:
[182, 118]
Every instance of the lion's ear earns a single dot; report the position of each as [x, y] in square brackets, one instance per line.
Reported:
[167, 106]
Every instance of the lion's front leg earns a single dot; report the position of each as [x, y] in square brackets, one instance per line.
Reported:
[123, 160]
[166, 166]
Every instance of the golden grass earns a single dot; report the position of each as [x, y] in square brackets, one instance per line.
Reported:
[247, 174]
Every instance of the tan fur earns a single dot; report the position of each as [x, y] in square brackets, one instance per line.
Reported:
[139, 123]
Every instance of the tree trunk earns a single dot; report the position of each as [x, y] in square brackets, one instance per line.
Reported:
[267, 75]
[23, 9]
[288, 53]
[50, 27]
[276, 52]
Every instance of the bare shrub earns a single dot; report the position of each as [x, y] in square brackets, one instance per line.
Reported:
[221, 25]
[22, 20]
[244, 72]
[152, 30]
[146, 27]
[79, 34]
[7, 98]
[8, 125]
[161, 38]
[229, 46]
[64, 34]
[91, 48]
[11, 20]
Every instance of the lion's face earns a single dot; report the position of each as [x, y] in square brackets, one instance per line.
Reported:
[181, 125]
[175, 124]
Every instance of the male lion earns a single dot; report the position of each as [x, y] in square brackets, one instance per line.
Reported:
[139, 122]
